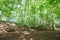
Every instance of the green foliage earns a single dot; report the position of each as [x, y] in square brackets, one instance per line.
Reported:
[31, 12]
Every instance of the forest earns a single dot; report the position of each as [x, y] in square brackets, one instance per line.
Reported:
[30, 15]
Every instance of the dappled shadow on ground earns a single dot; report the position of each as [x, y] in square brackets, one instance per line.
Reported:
[10, 31]
[53, 35]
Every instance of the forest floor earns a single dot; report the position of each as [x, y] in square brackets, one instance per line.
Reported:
[10, 31]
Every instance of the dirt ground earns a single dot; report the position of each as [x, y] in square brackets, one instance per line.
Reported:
[52, 35]
[14, 32]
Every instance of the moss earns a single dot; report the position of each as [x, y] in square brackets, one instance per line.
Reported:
[10, 29]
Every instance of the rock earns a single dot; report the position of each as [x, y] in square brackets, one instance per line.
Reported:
[26, 32]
